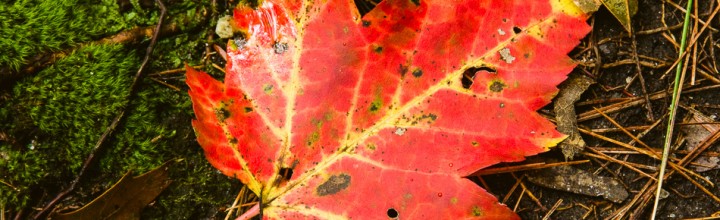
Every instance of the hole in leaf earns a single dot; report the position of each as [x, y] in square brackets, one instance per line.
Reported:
[240, 40]
[254, 4]
[365, 6]
[280, 47]
[366, 23]
[469, 75]
[392, 213]
[286, 173]
[517, 30]
[417, 73]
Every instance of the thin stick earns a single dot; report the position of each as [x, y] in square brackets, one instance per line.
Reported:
[110, 129]
[512, 190]
[673, 109]
[234, 205]
[554, 207]
[517, 203]
[529, 193]
[524, 167]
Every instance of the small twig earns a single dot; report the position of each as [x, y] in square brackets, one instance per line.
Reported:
[165, 84]
[512, 189]
[234, 205]
[634, 102]
[524, 167]
[110, 129]
[691, 43]
[517, 203]
[554, 207]
[626, 164]
[173, 71]
[529, 193]
[648, 104]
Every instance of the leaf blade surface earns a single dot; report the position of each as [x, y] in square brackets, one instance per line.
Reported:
[376, 113]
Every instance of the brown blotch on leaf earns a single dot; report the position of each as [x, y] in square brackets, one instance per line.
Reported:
[334, 184]
[222, 113]
[403, 70]
[497, 86]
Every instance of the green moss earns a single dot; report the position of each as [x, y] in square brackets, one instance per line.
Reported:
[56, 116]
[31, 27]
[68, 105]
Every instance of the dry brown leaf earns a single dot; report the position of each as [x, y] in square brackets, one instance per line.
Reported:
[125, 199]
[623, 10]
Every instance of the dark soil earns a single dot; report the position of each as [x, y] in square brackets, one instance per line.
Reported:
[610, 43]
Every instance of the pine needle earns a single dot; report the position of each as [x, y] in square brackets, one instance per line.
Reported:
[679, 75]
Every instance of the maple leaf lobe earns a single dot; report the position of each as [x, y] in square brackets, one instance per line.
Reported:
[315, 87]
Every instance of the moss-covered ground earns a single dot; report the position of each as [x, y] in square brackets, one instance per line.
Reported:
[51, 119]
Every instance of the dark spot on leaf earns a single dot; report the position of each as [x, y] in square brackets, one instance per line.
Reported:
[314, 137]
[392, 213]
[248, 109]
[366, 23]
[497, 86]
[378, 49]
[403, 70]
[233, 141]
[476, 211]
[280, 47]
[334, 184]
[469, 75]
[417, 73]
[222, 114]
[517, 30]
[268, 88]
[416, 2]
[374, 107]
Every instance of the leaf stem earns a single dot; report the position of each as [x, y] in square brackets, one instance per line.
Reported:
[252, 212]
[677, 88]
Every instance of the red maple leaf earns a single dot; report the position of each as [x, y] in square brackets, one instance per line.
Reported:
[383, 115]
